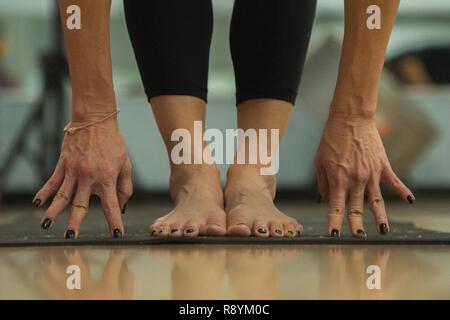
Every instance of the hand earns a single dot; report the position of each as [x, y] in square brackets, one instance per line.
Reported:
[351, 162]
[93, 160]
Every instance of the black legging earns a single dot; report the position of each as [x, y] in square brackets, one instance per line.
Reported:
[268, 41]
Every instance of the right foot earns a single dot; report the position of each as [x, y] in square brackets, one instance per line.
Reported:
[198, 208]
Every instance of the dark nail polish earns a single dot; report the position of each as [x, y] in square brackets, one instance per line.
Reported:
[190, 230]
[383, 228]
[334, 233]
[117, 233]
[37, 202]
[124, 208]
[278, 232]
[46, 223]
[361, 233]
[319, 198]
[70, 234]
[291, 233]
[411, 199]
[153, 232]
[173, 230]
[262, 230]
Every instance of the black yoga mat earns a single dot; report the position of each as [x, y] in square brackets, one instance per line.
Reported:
[21, 228]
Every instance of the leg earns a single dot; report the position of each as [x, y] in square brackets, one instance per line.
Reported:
[268, 59]
[171, 40]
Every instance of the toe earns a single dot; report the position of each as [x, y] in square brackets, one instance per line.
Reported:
[260, 229]
[191, 230]
[176, 230]
[154, 229]
[239, 229]
[214, 229]
[163, 230]
[290, 230]
[276, 230]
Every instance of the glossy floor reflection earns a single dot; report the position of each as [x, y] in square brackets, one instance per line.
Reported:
[217, 272]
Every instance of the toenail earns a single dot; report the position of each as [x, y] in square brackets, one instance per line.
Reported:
[190, 230]
[278, 231]
[161, 230]
[153, 232]
[291, 233]
[262, 230]
[173, 230]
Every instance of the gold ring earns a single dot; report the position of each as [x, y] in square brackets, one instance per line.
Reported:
[80, 206]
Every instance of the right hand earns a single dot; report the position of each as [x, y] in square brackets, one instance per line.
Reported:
[93, 160]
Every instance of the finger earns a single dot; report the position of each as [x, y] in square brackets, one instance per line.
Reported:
[79, 210]
[124, 186]
[50, 187]
[322, 186]
[60, 201]
[336, 206]
[111, 210]
[355, 211]
[390, 179]
[376, 206]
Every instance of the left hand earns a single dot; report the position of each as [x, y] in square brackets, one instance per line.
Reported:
[351, 162]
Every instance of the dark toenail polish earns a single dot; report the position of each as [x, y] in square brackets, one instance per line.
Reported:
[361, 233]
[262, 230]
[173, 230]
[411, 199]
[291, 233]
[383, 228]
[153, 232]
[37, 202]
[190, 230]
[319, 198]
[124, 209]
[46, 224]
[278, 232]
[70, 234]
[161, 231]
[117, 233]
[334, 233]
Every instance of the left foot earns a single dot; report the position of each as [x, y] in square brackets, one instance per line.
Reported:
[250, 208]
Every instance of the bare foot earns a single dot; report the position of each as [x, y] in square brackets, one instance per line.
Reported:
[249, 205]
[198, 201]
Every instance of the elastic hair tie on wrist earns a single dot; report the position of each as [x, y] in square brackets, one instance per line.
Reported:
[69, 130]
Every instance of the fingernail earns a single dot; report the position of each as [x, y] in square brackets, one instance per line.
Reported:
[124, 208]
[361, 233]
[190, 230]
[411, 199]
[334, 233]
[383, 228]
[278, 232]
[70, 234]
[117, 233]
[262, 230]
[37, 202]
[319, 198]
[173, 230]
[46, 223]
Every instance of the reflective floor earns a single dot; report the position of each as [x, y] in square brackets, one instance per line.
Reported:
[238, 272]
[234, 272]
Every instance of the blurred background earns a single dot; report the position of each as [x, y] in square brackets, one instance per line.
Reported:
[414, 103]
